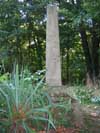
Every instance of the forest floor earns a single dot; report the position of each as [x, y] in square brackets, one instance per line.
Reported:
[84, 118]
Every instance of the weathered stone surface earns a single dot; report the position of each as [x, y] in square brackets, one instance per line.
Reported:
[53, 63]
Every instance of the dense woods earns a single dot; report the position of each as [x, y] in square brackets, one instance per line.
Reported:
[33, 99]
[23, 37]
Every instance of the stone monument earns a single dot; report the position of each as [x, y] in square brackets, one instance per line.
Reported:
[53, 62]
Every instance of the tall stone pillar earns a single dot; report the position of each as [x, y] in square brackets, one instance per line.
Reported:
[53, 63]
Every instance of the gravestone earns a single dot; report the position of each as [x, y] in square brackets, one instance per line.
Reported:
[53, 62]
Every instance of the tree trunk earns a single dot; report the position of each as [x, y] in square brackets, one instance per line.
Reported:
[38, 53]
[95, 53]
[89, 63]
[67, 65]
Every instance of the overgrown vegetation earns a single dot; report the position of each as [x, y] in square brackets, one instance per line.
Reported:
[84, 94]
[23, 31]
[24, 104]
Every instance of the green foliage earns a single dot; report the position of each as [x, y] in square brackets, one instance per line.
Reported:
[21, 24]
[23, 31]
[34, 79]
[25, 104]
[84, 94]
[4, 77]
[92, 8]
[22, 104]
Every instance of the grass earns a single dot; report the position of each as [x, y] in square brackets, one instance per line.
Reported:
[25, 105]
[22, 103]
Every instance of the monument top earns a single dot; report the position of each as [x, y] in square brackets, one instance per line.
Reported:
[53, 4]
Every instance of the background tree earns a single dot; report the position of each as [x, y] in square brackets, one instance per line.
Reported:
[23, 33]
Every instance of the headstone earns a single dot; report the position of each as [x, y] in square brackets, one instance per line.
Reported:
[53, 62]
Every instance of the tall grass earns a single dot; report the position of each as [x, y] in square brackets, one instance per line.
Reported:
[23, 104]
